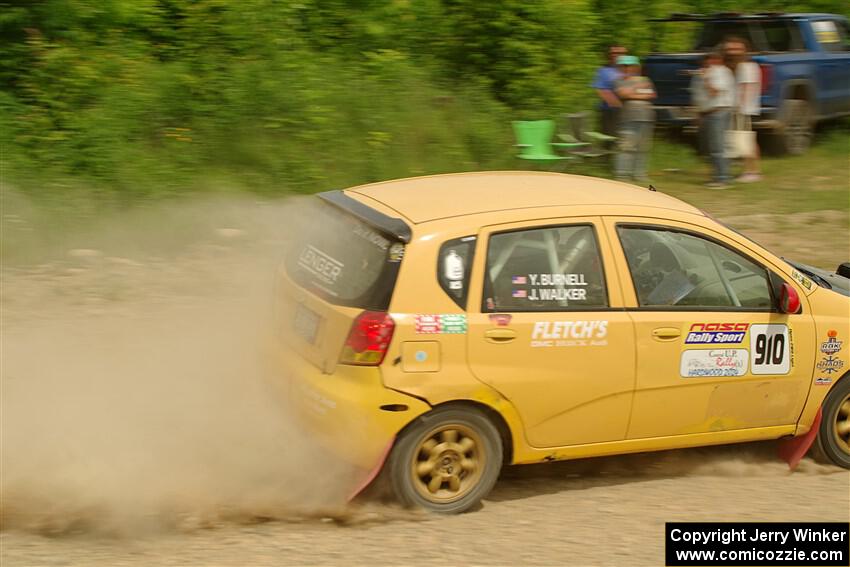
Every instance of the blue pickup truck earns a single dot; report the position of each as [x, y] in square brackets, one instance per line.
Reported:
[805, 70]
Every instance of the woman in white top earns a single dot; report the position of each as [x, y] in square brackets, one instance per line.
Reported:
[748, 95]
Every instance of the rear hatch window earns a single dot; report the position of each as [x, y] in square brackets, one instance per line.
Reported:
[344, 260]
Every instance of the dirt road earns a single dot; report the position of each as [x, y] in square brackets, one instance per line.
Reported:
[134, 434]
[602, 512]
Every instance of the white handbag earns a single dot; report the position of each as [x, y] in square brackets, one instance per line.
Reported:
[740, 141]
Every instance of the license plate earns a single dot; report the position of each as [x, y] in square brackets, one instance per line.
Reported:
[306, 324]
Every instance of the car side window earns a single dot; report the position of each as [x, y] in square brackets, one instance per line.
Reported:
[544, 269]
[454, 265]
[677, 269]
[781, 36]
[828, 35]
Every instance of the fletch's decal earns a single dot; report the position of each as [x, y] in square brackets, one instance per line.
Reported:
[714, 363]
[716, 333]
[569, 333]
[802, 280]
[771, 349]
[448, 324]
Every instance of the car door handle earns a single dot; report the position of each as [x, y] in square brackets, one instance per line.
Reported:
[500, 335]
[666, 333]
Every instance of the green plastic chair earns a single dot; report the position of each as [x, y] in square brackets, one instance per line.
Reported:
[534, 139]
[595, 142]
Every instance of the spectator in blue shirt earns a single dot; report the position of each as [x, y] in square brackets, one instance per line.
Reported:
[603, 82]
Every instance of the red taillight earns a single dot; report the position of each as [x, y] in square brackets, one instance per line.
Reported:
[369, 339]
[766, 77]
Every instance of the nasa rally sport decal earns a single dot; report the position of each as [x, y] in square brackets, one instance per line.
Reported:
[770, 348]
[716, 333]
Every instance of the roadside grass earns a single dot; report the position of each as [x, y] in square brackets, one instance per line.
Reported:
[801, 208]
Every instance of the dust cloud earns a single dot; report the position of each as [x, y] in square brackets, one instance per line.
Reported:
[136, 378]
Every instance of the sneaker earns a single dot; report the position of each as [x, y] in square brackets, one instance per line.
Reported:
[749, 178]
[717, 185]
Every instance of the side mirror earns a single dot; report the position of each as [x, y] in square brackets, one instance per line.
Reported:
[844, 270]
[789, 301]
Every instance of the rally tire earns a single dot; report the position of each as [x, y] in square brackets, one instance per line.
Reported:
[833, 440]
[446, 461]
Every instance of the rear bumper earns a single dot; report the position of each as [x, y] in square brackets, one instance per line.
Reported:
[343, 411]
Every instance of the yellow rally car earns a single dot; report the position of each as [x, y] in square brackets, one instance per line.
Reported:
[436, 328]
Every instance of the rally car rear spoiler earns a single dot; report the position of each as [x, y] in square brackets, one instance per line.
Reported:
[392, 226]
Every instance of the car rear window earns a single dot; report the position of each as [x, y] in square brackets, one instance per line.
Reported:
[343, 259]
[713, 34]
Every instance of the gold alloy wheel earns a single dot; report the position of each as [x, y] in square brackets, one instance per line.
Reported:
[448, 463]
[842, 425]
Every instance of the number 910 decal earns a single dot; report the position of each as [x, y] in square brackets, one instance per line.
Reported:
[770, 346]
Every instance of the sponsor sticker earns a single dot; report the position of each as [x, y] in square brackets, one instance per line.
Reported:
[802, 280]
[428, 324]
[396, 252]
[569, 333]
[716, 333]
[771, 348]
[831, 345]
[708, 363]
[451, 323]
[823, 381]
[370, 235]
[500, 319]
[830, 364]
[319, 264]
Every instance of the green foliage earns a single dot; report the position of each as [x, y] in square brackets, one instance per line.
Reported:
[142, 98]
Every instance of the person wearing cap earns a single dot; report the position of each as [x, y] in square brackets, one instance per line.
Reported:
[637, 120]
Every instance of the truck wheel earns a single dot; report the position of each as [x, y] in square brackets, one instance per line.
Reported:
[796, 135]
[446, 461]
[833, 440]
